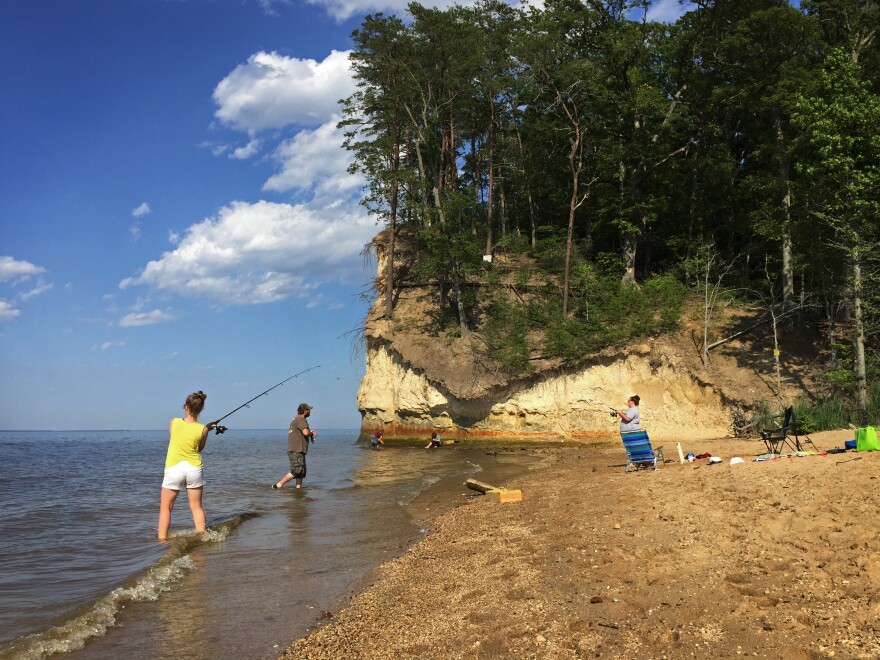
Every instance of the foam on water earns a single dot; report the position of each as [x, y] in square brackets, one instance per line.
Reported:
[74, 634]
[176, 564]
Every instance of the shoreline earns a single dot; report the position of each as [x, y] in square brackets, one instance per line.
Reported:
[770, 559]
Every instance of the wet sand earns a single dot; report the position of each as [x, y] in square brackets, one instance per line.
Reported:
[774, 559]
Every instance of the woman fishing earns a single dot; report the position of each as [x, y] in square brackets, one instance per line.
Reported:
[183, 464]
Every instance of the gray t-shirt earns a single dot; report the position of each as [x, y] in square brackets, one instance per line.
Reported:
[635, 420]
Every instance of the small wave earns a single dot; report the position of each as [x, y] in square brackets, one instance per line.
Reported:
[94, 623]
[425, 483]
[162, 577]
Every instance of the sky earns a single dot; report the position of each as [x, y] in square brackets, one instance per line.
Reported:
[176, 213]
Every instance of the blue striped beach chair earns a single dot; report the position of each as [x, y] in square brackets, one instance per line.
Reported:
[638, 450]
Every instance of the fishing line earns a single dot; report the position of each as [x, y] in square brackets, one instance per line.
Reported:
[222, 429]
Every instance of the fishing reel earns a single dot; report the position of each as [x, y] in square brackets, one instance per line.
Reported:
[613, 413]
[219, 429]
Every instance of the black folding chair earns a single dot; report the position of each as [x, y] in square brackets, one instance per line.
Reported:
[802, 440]
[776, 438]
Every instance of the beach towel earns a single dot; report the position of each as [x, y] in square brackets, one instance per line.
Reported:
[866, 439]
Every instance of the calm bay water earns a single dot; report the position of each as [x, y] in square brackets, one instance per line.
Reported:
[81, 572]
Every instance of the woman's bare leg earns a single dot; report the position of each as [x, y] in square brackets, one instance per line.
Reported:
[166, 504]
[195, 505]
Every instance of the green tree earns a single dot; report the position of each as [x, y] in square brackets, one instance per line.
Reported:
[841, 121]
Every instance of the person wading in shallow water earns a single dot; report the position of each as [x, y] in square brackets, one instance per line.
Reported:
[183, 464]
[298, 437]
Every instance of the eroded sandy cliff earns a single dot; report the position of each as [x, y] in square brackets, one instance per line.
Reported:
[418, 380]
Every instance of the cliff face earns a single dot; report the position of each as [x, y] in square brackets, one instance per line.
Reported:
[419, 380]
[399, 399]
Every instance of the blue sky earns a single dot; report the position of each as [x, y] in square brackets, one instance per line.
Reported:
[175, 212]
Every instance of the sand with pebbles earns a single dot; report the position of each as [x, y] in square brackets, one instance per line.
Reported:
[775, 559]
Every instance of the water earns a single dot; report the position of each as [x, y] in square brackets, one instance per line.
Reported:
[81, 572]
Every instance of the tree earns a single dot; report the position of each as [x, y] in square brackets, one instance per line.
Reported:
[376, 124]
[841, 121]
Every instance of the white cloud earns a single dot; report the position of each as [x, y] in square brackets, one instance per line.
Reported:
[668, 11]
[263, 252]
[173, 237]
[110, 344]
[136, 319]
[36, 291]
[272, 91]
[7, 311]
[315, 160]
[135, 230]
[343, 9]
[247, 151]
[142, 210]
[14, 269]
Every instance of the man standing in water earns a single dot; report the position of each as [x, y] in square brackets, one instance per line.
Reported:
[298, 438]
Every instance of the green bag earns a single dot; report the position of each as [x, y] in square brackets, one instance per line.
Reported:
[866, 439]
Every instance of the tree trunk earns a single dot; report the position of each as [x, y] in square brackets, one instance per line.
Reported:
[859, 337]
[831, 319]
[787, 261]
[533, 225]
[629, 258]
[574, 163]
[490, 202]
[462, 319]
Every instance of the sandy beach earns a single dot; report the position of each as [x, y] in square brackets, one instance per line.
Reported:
[775, 559]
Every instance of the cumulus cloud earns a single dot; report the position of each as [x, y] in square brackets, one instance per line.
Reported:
[136, 319]
[247, 151]
[14, 269]
[316, 161]
[142, 210]
[15, 273]
[8, 311]
[271, 91]
[263, 252]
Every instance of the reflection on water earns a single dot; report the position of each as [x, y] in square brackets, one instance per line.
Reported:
[253, 588]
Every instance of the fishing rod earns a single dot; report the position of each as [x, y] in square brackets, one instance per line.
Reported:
[222, 429]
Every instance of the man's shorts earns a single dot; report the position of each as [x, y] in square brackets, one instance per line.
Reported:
[297, 464]
[183, 475]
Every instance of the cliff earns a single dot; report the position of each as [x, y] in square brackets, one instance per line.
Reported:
[420, 380]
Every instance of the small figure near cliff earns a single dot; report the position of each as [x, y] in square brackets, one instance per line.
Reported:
[376, 439]
[435, 441]
[630, 420]
[298, 437]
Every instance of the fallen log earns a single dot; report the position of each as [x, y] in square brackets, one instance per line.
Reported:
[473, 484]
[495, 494]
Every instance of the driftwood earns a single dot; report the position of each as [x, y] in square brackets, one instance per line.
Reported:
[495, 494]
[473, 484]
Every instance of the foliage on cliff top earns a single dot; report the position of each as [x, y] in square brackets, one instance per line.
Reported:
[588, 144]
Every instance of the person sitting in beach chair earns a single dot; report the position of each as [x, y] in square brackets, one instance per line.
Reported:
[639, 452]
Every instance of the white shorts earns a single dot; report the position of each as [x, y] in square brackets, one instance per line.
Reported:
[184, 474]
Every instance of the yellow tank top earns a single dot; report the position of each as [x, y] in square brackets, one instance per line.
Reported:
[184, 444]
